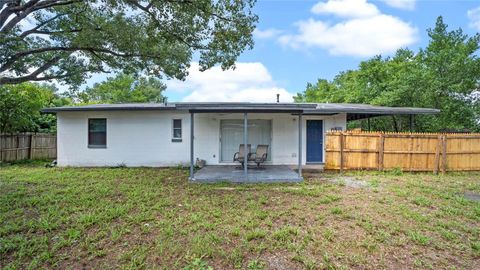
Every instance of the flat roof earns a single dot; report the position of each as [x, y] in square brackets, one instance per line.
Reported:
[368, 109]
[205, 107]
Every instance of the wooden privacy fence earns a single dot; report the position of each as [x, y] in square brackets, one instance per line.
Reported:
[27, 146]
[408, 151]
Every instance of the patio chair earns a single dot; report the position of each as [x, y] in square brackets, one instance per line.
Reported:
[260, 155]
[240, 155]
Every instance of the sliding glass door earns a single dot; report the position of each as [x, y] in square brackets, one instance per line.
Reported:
[231, 136]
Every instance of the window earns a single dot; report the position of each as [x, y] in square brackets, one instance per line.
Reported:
[97, 133]
[177, 130]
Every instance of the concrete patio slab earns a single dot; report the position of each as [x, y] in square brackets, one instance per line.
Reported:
[234, 174]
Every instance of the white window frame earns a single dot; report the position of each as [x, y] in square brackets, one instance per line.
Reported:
[93, 146]
[174, 139]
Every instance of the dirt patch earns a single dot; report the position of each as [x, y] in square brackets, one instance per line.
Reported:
[472, 196]
[349, 181]
[226, 188]
[279, 261]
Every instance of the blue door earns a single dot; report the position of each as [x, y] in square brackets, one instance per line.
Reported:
[314, 140]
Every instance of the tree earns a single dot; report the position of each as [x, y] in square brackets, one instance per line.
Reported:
[20, 107]
[68, 39]
[452, 70]
[124, 89]
[444, 75]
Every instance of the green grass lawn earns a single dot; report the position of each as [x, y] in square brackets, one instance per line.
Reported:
[153, 218]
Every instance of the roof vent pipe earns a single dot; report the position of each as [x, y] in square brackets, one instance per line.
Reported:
[278, 98]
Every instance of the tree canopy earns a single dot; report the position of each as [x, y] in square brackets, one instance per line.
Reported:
[444, 75]
[20, 104]
[20, 107]
[124, 89]
[67, 40]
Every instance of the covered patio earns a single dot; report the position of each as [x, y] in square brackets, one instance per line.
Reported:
[246, 174]
[236, 174]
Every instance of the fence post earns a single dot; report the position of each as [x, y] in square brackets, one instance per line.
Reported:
[381, 144]
[32, 145]
[341, 151]
[18, 146]
[444, 153]
[436, 166]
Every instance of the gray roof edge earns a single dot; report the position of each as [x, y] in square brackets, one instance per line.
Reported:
[243, 106]
[186, 106]
[307, 108]
[111, 107]
[372, 109]
[356, 111]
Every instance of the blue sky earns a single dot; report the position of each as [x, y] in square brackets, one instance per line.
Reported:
[300, 41]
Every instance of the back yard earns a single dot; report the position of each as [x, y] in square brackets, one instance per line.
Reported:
[152, 218]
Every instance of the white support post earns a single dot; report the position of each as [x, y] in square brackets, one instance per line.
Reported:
[191, 145]
[245, 148]
[300, 144]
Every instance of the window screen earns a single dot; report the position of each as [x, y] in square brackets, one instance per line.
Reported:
[177, 130]
[97, 133]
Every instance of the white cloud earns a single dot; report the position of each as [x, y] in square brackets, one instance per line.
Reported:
[346, 8]
[364, 33]
[248, 82]
[474, 16]
[401, 4]
[267, 33]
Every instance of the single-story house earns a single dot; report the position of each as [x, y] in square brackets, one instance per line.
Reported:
[171, 134]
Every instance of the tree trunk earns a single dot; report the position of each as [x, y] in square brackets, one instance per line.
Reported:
[395, 127]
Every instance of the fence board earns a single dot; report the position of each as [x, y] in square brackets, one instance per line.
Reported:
[27, 146]
[409, 151]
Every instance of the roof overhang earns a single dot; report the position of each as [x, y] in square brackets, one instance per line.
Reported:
[362, 111]
[368, 109]
[112, 107]
[245, 107]
[353, 111]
